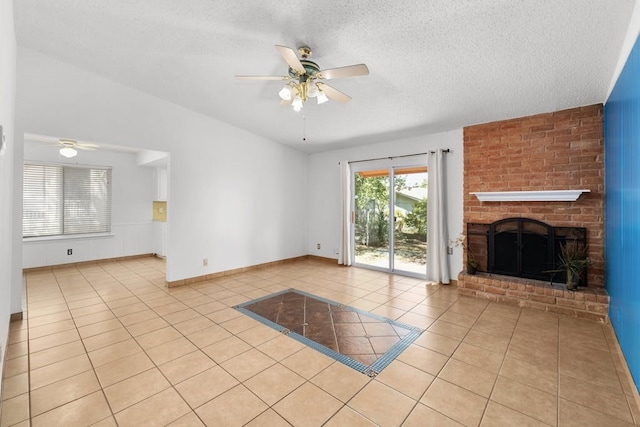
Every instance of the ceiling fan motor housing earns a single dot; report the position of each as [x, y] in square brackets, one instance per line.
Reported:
[310, 68]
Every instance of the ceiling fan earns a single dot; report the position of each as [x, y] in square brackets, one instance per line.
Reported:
[68, 147]
[306, 80]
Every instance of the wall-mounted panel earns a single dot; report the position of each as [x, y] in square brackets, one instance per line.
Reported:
[622, 204]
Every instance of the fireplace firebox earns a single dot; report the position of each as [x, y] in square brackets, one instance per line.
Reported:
[522, 247]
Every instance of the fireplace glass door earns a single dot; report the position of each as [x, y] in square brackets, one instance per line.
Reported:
[521, 248]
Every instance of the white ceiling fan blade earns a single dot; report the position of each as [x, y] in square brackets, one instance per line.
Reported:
[342, 72]
[70, 143]
[41, 138]
[262, 77]
[333, 93]
[291, 58]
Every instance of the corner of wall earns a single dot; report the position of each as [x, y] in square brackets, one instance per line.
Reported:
[633, 31]
[8, 48]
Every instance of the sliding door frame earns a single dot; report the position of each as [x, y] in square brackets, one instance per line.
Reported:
[389, 164]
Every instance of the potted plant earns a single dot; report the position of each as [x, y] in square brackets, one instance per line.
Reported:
[574, 261]
[472, 265]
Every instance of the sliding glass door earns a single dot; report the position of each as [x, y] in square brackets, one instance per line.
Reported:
[390, 218]
[410, 225]
[371, 222]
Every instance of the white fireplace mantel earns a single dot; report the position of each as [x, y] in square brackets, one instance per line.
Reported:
[530, 196]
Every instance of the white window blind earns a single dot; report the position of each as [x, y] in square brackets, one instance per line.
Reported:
[61, 200]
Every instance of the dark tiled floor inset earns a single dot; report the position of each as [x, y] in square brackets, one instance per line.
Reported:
[361, 337]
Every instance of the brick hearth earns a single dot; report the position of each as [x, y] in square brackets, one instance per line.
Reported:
[586, 303]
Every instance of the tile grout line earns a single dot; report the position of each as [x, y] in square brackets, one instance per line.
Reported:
[143, 350]
[417, 401]
[612, 341]
[484, 411]
[113, 415]
[80, 337]
[462, 341]
[198, 349]
[484, 310]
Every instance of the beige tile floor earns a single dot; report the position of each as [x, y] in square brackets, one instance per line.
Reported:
[106, 344]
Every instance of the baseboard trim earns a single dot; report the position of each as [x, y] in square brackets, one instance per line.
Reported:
[219, 274]
[631, 390]
[195, 279]
[324, 259]
[82, 263]
[16, 316]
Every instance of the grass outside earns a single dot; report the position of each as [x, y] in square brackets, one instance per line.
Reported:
[410, 250]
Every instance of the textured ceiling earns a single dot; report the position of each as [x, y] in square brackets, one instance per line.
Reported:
[434, 65]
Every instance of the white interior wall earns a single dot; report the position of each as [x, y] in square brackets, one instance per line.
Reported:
[324, 188]
[633, 32]
[9, 303]
[235, 198]
[132, 192]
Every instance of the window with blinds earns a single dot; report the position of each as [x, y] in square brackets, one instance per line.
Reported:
[65, 200]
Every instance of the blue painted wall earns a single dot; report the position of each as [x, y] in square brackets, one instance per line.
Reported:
[622, 209]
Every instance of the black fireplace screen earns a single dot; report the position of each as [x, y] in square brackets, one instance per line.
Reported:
[522, 247]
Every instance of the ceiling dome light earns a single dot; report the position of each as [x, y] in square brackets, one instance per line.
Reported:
[285, 93]
[68, 152]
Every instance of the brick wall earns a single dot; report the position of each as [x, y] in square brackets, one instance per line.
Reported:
[553, 151]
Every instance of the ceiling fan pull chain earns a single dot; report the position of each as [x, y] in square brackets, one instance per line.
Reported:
[304, 127]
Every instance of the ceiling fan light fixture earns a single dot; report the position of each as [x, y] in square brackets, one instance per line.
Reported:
[68, 152]
[322, 98]
[285, 93]
[312, 90]
[297, 103]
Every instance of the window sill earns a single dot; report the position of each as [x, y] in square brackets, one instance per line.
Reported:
[67, 237]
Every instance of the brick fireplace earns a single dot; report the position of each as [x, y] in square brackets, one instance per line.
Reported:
[563, 150]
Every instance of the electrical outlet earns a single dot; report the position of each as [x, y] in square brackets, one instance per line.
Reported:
[69, 251]
[205, 262]
[318, 246]
[449, 250]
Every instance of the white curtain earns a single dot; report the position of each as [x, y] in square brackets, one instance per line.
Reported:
[344, 253]
[437, 234]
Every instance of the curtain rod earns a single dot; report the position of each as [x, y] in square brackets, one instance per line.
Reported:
[445, 150]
